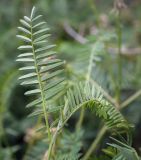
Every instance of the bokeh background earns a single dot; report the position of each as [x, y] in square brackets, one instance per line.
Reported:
[72, 23]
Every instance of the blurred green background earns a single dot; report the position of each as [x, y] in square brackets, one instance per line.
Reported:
[72, 23]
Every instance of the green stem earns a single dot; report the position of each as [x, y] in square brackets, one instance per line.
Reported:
[119, 35]
[131, 99]
[41, 87]
[88, 76]
[81, 117]
[95, 143]
[49, 151]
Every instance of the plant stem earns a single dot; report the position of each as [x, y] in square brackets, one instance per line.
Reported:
[81, 117]
[49, 151]
[41, 87]
[95, 143]
[119, 35]
[88, 76]
[130, 99]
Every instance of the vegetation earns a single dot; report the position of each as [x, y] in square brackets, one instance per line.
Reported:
[82, 94]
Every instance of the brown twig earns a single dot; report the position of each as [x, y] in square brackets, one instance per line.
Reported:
[74, 34]
[82, 40]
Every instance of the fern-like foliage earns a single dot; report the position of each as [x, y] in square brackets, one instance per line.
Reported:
[86, 95]
[67, 150]
[42, 68]
[42, 71]
[125, 151]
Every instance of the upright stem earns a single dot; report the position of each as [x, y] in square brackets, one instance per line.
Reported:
[49, 151]
[95, 143]
[41, 87]
[88, 76]
[119, 35]
[131, 99]
[82, 113]
[53, 140]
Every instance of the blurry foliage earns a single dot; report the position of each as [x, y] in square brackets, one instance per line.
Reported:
[94, 20]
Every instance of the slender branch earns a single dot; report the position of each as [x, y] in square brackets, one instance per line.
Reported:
[40, 86]
[88, 76]
[49, 151]
[81, 117]
[74, 34]
[131, 99]
[95, 143]
[119, 35]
